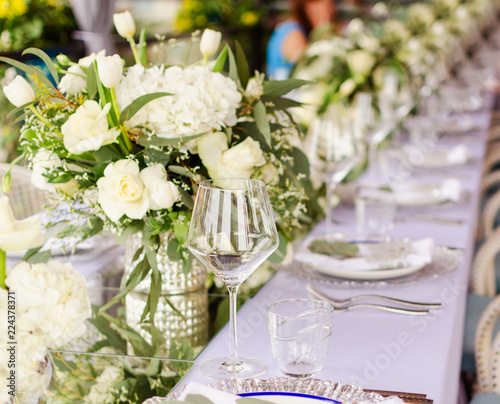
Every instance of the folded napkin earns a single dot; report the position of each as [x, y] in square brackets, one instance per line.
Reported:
[459, 154]
[406, 193]
[419, 252]
[214, 395]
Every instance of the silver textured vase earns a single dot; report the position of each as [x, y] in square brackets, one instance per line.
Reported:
[182, 312]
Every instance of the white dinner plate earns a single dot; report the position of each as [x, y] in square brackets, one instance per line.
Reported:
[374, 274]
[289, 398]
[439, 159]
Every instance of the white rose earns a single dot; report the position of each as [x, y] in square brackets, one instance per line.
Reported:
[369, 43]
[19, 92]
[74, 81]
[124, 24]
[162, 193]
[43, 162]
[122, 192]
[110, 69]
[379, 10]
[210, 148]
[360, 62]
[17, 235]
[87, 129]
[88, 60]
[244, 156]
[209, 43]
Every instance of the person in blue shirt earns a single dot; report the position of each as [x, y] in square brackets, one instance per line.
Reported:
[290, 38]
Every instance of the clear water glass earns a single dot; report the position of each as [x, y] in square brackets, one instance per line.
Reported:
[375, 211]
[300, 331]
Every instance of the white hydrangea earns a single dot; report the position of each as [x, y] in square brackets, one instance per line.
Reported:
[201, 100]
[53, 301]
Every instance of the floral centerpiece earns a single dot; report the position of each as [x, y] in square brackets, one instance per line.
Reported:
[123, 149]
[44, 306]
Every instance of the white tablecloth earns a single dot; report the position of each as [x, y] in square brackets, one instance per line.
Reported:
[375, 349]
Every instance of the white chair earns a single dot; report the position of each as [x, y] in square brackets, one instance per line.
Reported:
[25, 199]
[487, 352]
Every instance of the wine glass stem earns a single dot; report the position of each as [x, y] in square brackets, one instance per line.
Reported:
[330, 192]
[233, 342]
[373, 162]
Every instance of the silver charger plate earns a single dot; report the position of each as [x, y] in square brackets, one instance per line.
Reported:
[315, 387]
[444, 261]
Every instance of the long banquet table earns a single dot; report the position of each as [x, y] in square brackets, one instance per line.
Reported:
[374, 349]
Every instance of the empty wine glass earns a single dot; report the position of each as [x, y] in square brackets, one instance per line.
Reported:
[332, 150]
[232, 232]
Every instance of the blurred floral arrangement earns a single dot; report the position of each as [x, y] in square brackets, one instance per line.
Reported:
[415, 41]
[26, 23]
[199, 14]
[45, 306]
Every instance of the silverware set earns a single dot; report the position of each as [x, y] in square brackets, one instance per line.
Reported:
[399, 306]
[429, 218]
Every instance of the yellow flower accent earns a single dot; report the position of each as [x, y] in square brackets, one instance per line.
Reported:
[250, 18]
[10, 9]
[201, 20]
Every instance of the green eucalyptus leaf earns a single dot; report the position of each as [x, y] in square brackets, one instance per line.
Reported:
[260, 116]
[280, 253]
[243, 69]
[29, 70]
[92, 88]
[113, 336]
[186, 198]
[221, 60]
[181, 171]
[40, 257]
[160, 141]
[130, 110]
[233, 67]
[334, 248]
[156, 156]
[282, 87]
[20, 109]
[300, 162]
[279, 103]
[46, 59]
[173, 250]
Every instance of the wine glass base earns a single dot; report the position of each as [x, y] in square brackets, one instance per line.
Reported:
[219, 369]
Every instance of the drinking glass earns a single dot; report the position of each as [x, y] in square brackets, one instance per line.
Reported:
[300, 332]
[332, 149]
[232, 232]
[375, 210]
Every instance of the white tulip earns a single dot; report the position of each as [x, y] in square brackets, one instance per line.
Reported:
[74, 81]
[124, 24]
[162, 193]
[88, 60]
[210, 41]
[19, 92]
[110, 70]
[18, 235]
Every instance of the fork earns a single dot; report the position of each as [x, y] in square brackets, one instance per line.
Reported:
[318, 293]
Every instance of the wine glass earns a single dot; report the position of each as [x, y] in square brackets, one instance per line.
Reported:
[232, 232]
[332, 149]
